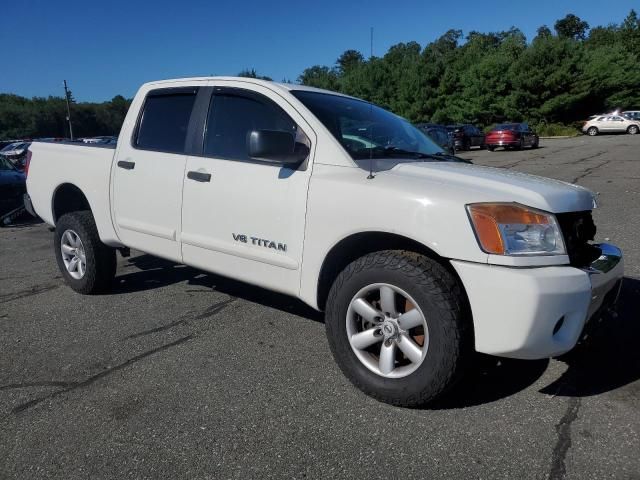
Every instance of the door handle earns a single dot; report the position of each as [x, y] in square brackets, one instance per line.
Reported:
[199, 176]
[126, 165]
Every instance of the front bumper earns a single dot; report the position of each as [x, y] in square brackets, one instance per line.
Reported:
[532, 313]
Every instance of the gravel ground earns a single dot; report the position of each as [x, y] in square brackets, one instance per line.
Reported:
[182, 374]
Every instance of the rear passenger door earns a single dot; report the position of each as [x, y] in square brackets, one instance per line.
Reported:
[242, 217]
[146, 187]
[618, 124]
[607, 124]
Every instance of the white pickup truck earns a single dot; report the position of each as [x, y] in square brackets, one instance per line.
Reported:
[416, 258]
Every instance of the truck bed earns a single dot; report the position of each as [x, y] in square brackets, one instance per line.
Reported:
[85, 166]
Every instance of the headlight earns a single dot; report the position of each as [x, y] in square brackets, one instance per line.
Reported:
[513, 229]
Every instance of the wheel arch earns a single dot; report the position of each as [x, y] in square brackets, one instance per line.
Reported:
[67, 198]
[359, 244]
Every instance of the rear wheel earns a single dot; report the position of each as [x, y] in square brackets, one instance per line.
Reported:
[87, 265]
[536, 143]
[632, 130]
[592, 131]
[521, 144]
[397, 327]
[491, 148]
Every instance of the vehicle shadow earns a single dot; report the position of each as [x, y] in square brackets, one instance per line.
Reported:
[156, 272]
[608, 360]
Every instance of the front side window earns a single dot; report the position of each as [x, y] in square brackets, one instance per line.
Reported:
[368, 131]
[164, 122]
[233, 116]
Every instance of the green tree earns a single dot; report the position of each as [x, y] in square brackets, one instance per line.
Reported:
[252, 74]
[572, 26]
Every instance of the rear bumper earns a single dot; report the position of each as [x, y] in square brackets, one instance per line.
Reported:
[533, 313]
[502, 143]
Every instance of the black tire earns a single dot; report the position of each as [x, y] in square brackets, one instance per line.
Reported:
[536, 143]
[521, 144]
[592, 131]
[491, 148]
[466, 145]
[100, 259]
[438, 295]
[633, 130]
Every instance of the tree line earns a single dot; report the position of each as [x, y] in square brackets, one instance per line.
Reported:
[38, 117]
[559, 77]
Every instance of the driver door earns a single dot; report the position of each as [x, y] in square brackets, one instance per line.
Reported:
[242, 217]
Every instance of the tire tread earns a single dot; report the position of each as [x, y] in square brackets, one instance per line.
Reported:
[447, 293]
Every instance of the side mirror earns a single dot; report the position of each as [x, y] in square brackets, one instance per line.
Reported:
[276, 146]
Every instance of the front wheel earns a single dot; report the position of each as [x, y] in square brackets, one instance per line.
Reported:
[592, 131]
[397, 327]
[491, 148]
[87, 265]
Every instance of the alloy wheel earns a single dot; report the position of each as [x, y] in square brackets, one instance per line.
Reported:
[73, 255]
[387, 330]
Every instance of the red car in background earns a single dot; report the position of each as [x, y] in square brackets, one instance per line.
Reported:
[512, 135]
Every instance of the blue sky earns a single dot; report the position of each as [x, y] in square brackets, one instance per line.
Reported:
[110, 47]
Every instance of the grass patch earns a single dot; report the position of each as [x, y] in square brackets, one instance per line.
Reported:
[556, 130]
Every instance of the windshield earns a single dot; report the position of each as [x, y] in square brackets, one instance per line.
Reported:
[11, 146]
[367, 131]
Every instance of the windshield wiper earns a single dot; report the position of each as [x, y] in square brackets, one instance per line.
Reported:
[452, 157]
[396, 151]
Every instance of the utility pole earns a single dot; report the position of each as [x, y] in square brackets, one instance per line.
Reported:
[66, 96]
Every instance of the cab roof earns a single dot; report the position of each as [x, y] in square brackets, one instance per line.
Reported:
[256, 81]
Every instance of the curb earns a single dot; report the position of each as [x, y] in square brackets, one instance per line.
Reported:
[559, 137]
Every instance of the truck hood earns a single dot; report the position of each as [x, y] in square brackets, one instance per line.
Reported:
[499, 185]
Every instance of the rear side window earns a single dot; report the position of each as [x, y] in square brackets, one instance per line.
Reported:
[233, 116]
[164, 122]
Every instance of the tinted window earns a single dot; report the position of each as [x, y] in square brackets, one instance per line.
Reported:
[164, 122]
[232, 117]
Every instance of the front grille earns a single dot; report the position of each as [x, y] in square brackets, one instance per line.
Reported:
[578, 230]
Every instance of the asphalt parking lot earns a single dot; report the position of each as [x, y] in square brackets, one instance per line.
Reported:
[183, 374]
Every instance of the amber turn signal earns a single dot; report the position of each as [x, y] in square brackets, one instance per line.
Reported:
[487, 217]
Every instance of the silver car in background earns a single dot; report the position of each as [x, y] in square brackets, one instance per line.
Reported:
[611, 124]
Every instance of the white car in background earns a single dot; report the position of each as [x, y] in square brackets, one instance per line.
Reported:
[611, 124]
